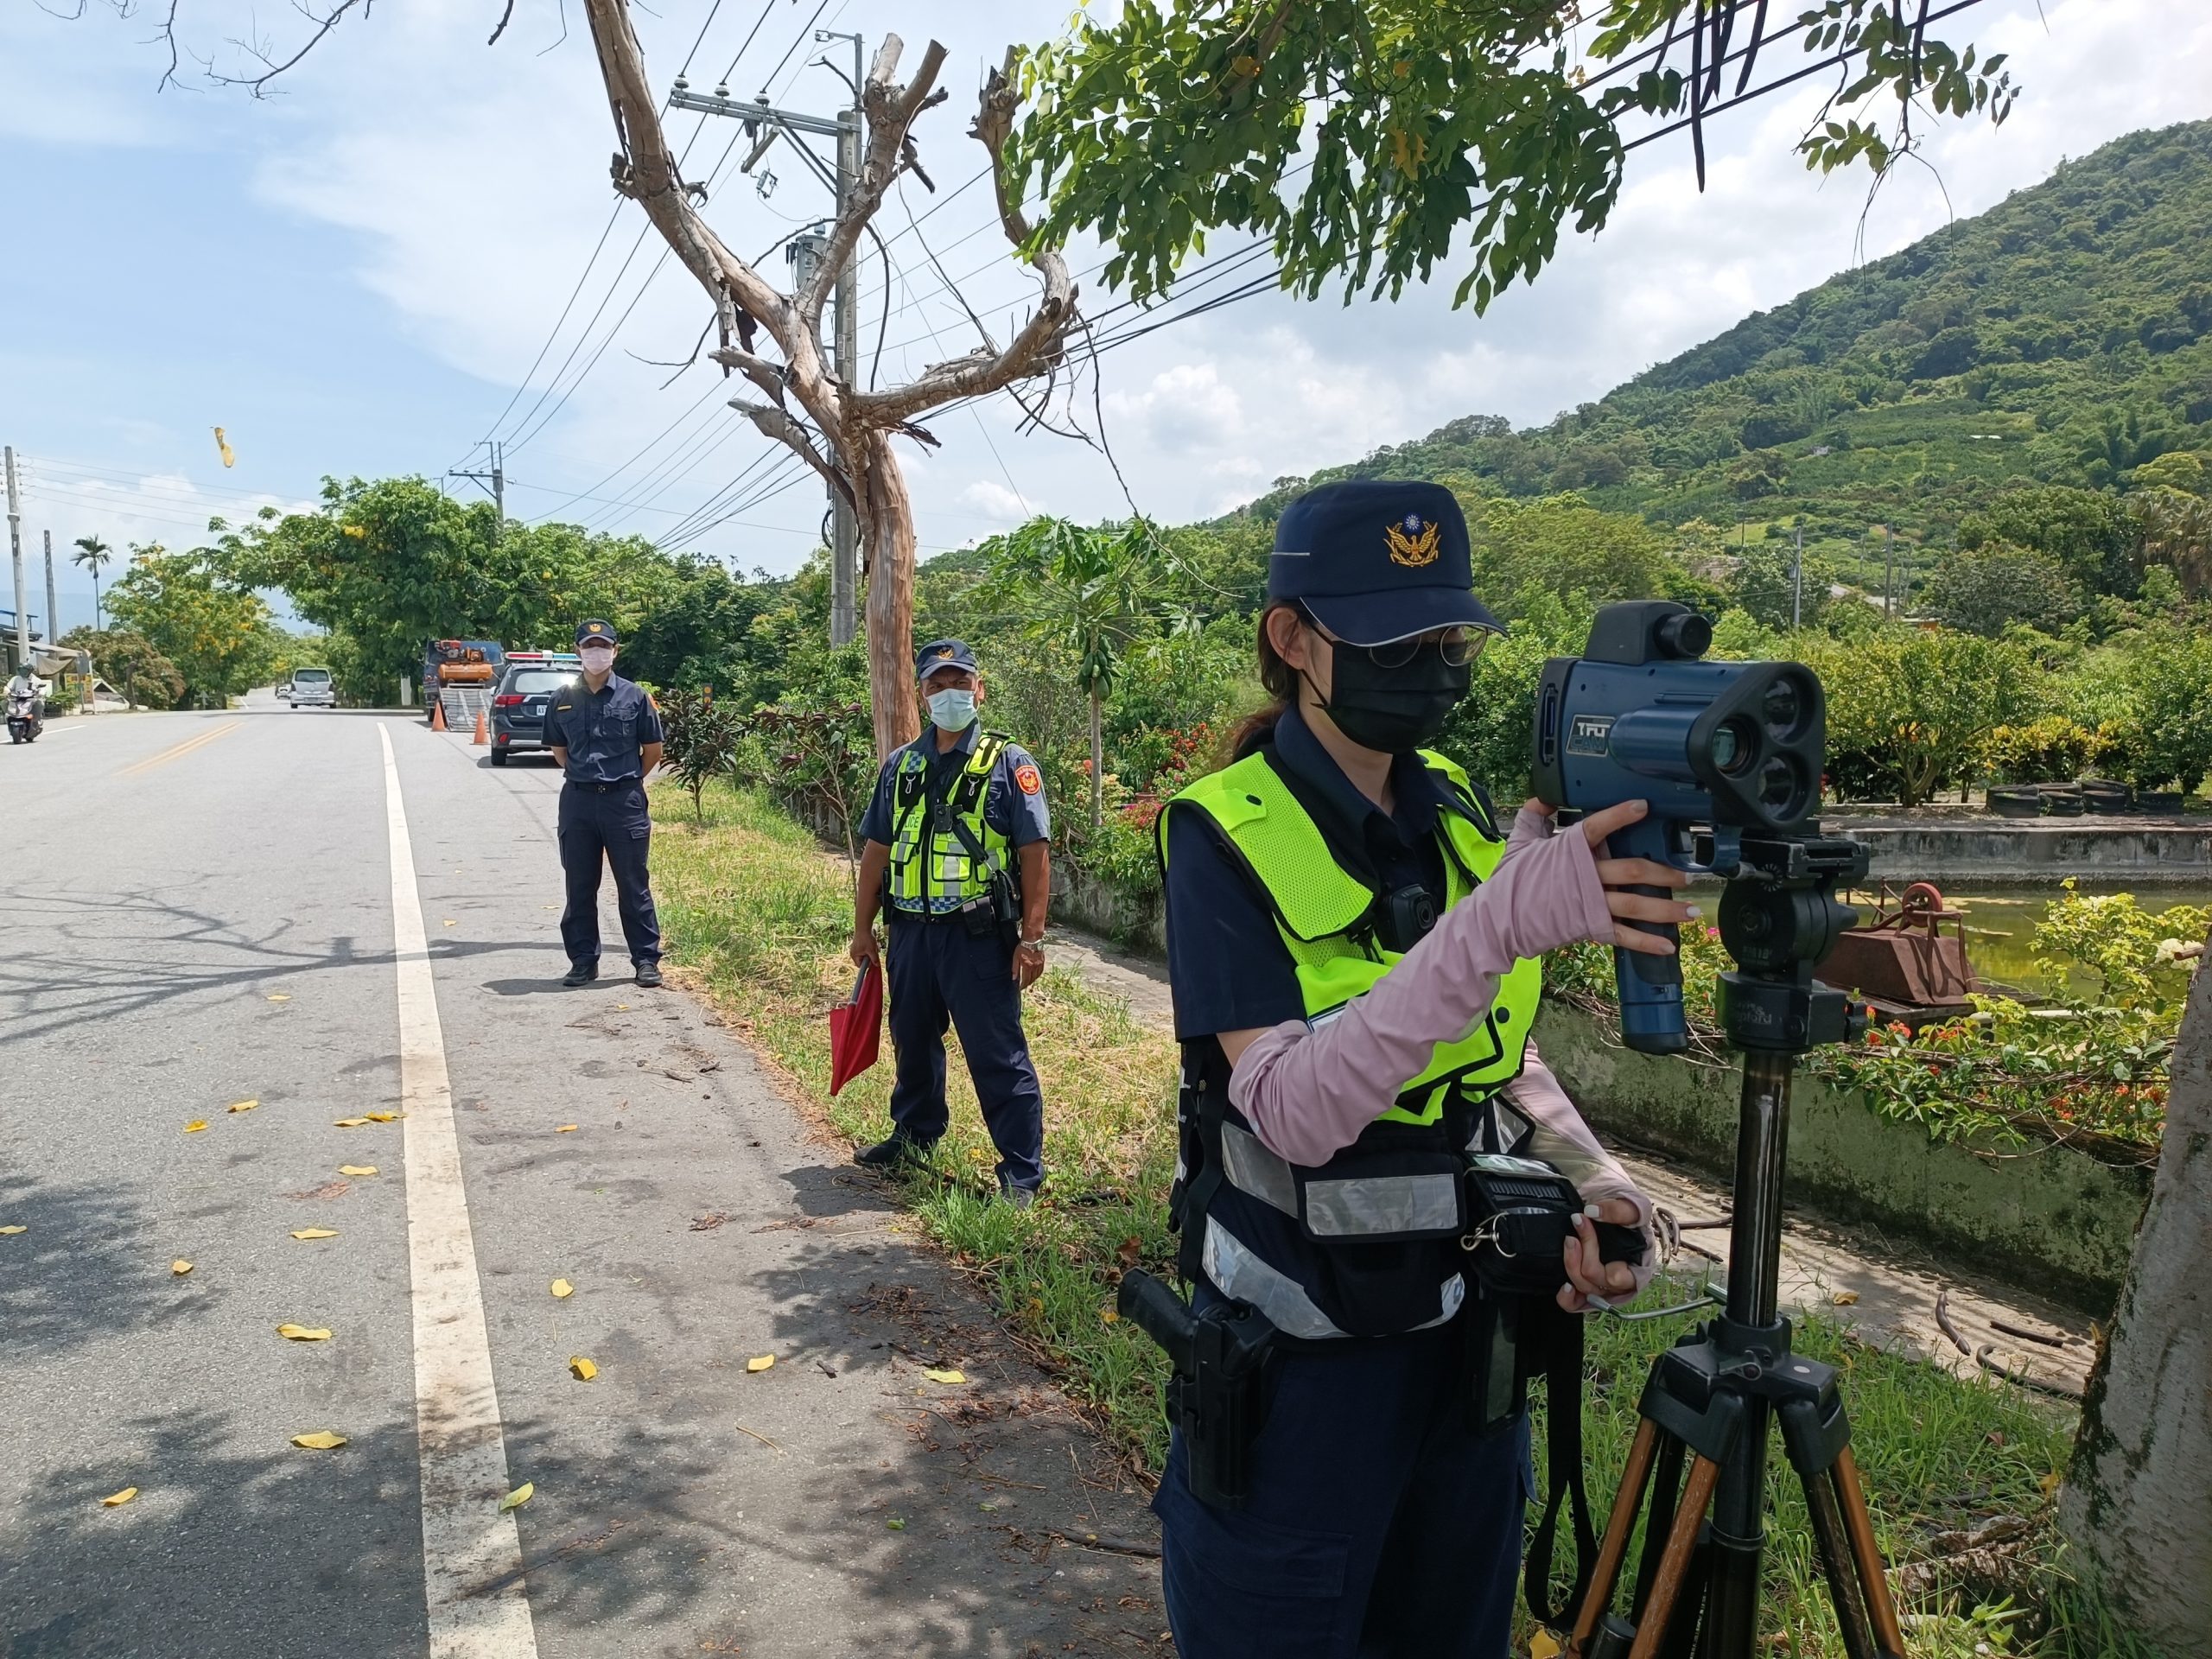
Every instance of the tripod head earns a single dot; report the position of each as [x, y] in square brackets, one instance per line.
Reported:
[1779, 918]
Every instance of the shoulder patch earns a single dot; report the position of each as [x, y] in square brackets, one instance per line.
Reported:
[1028, 780]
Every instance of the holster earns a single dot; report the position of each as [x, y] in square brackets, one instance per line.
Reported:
[1218, 1396]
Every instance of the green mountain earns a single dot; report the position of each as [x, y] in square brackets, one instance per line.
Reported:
[2064, 336]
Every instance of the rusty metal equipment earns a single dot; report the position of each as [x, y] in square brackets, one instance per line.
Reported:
[1903, 961]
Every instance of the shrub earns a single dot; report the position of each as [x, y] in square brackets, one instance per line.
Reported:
[1918, 708]
[2052, 750]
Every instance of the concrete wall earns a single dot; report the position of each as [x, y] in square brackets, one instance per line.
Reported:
[2049, 1218]
[2035, 850]
[1082, 900]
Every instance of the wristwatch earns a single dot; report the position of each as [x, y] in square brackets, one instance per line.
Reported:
[1037, 944]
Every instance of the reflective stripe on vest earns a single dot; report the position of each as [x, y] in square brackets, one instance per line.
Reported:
[931, 868]
[1242, 1276]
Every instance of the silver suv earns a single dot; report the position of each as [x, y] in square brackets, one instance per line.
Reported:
[310, 688]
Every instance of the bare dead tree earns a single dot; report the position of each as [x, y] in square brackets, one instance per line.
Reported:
[843, 432]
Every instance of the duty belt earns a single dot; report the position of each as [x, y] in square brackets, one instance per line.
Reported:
[602, 789]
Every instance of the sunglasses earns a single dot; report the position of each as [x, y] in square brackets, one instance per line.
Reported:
[1457, 646]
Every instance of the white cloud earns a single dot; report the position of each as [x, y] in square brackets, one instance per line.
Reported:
[997, 502]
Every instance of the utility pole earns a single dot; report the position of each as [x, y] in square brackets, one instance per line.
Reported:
[496, 482]
[1889, 572]
[16, 551]
[1797, 578]
[764, 124]
[53, 607]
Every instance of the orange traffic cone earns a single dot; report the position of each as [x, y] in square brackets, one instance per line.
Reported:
[482, 735]
[438, 715]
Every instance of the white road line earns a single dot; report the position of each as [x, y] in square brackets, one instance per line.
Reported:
[468, 1544]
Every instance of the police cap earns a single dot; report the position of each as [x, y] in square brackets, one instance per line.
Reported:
[596, 630]
[1377, 560]
[942, 653]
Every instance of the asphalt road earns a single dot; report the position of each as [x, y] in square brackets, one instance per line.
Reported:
[202, 910]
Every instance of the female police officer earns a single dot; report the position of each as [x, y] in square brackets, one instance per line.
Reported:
[1351, 944]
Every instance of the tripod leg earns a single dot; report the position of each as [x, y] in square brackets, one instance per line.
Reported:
[1681, 1538]
[1666, 1496]
[1881, 1609]
[1837, 1563]
[1606, 1574]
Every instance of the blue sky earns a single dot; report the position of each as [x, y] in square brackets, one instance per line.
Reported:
[355, 276]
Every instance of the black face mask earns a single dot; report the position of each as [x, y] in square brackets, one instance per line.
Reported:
[1394, 710]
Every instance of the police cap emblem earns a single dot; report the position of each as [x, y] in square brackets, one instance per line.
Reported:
[1414, 543]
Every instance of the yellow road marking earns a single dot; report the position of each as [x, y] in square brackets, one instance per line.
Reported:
[179, 751]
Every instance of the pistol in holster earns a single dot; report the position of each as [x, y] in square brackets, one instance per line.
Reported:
[1217, 1393]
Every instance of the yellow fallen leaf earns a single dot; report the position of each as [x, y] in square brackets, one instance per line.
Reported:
[621, 1007]
[760, 1364]
[1108, 1315]
[195, 1125]
[179, 1267]
[315, 1232]
[380, 1117]
[518, 1498]
[281, 997]
[349, 1122]
[304, 1333]
[357, 1169]
[2051, 1482]
[18, 1228]
[946, 1376]
[242, 1105]
[561, 1288]
[450, 923]
[321, 1441]
[583, 1368]
[1544, 1645]
[566, 1129]
[114, 1500]
[1846, 1298]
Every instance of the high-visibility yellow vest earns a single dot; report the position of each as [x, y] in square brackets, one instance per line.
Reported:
[1370, 1242]
[931, 865]
[1323, 914]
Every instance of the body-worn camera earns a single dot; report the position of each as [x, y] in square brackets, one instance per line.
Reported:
[1734, 747]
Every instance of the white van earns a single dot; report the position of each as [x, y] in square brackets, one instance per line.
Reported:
[309, 687]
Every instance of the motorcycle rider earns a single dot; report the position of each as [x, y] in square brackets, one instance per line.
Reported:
[27, 684]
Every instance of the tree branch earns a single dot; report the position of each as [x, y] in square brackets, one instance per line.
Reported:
[648, 176]
[891, 110]
[775, 422]
[1039, 344]
[257, 84]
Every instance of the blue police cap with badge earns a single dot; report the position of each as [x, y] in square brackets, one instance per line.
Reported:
[1377, 560]
[594, 632]
[943, 654]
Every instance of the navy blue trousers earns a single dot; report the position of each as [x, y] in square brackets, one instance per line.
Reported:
[939, 975]
[1379, 1525]
[609, 823]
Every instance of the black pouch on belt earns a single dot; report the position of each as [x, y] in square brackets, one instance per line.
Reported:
[1521, 1212]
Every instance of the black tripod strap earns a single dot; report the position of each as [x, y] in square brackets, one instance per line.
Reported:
[1563, 1454]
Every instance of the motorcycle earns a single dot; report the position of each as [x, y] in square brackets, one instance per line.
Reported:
[26, 718]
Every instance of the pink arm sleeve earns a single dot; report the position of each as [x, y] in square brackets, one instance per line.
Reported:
[1308, 1091]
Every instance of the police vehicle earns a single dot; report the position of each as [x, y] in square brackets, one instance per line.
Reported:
[525, 689]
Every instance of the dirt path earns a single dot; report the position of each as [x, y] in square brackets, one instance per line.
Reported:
[1886, 1290]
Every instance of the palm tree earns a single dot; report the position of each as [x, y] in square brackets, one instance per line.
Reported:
[92, 553]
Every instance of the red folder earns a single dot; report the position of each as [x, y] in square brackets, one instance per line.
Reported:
[855, 1027]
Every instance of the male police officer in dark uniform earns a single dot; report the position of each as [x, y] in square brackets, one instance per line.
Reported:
[956, 838]
[605, 732]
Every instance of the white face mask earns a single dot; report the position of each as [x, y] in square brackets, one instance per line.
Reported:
[597, 659]
[953, 710]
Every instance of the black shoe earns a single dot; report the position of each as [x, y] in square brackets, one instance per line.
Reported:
[649, 974]
[1019, 1197]
[892, 1154]
[580, 973]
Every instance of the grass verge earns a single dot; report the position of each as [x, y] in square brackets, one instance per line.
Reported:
[751, 905]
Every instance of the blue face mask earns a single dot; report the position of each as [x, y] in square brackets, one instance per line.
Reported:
[954, 711]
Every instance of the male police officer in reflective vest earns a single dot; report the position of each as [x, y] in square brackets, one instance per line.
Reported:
[605, 732]
[956, 838]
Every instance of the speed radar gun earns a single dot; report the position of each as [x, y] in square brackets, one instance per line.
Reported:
[1729, 755]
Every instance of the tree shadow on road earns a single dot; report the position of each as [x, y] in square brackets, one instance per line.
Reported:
[79, 1269]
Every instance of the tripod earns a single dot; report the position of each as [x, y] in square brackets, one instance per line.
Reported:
[1710, 1398]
